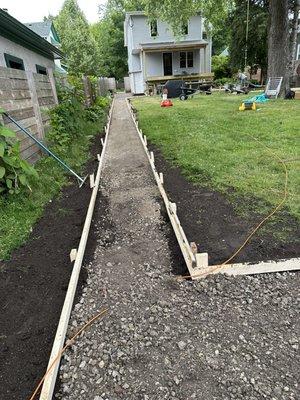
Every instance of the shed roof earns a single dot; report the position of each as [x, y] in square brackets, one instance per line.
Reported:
[17, 32]
[43, 29]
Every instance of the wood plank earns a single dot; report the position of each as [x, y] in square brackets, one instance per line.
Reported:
[20, 114]
[14, 94]
[34, 148]
[12, 105]
[44, 92]
[12, 73]
[6, 84]
[28, 142]
[292, 264]
[45, 101]
[35, 157]
[25, 123]
[40, 77]
[43, 85]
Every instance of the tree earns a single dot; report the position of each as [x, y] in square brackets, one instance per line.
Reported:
[256, 45]
[278, 44]
[109, 36]
[78, 45]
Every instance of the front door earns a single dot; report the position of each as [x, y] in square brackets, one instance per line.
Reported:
[168, 64]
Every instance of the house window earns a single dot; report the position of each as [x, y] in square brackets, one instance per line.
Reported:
[41, 70]
[185, 28]
[186, 59]
[190, 59]
[153, 28]
[14, 62]
[182, 59]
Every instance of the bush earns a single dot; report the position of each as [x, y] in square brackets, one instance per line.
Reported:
[220, 67]
[14, 171]
[222, 81]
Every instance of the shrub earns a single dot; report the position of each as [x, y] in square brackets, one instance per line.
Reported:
[14, 171]
[220, 67]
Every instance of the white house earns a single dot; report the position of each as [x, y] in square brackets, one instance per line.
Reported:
[23, 49]
[155, 55]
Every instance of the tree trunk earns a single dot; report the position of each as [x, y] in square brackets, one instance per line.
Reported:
[293, 39]
[278, 43]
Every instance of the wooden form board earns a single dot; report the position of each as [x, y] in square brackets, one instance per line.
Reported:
[192, 259]
[263, 267]
[197, 263]
[59, 341]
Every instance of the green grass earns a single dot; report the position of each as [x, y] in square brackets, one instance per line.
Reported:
[19, 213]
[207, 137]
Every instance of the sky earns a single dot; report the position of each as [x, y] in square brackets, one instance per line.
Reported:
[35, 10]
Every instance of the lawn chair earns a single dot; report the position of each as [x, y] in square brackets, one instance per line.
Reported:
[273, 87]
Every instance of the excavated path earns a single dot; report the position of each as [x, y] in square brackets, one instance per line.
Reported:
[219, 338]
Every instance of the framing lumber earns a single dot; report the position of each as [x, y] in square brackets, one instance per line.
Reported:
[263, 267]
[50, 380]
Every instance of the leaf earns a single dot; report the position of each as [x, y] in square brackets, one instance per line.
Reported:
[9, 183]
[1, 110]
[23, 180]
[7, 132]
[2, 172]
[2, 148]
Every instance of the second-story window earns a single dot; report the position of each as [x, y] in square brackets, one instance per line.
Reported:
[153, 28]
[185, 28]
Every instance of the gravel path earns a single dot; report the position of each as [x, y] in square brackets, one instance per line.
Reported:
[219, 338]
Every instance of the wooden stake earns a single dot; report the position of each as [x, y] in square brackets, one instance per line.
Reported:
[152, 156]
[161, 177]
[202, 260]
[73, 255]
[92, 181]
[102, 142]
[145, 140]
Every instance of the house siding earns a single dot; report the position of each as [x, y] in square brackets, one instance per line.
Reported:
[142, 31]
[29, 57]
[143, 64]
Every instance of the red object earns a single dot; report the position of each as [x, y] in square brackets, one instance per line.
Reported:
[166, 103]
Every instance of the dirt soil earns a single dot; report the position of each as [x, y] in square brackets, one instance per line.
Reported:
[210, 220]
[33, 285]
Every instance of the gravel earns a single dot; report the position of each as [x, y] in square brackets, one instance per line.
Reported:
[218, 338]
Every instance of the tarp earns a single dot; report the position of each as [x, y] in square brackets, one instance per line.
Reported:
[260, 98]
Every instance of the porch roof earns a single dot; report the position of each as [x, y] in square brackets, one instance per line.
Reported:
[163, 46]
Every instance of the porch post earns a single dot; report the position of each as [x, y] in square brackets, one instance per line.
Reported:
[202, 60]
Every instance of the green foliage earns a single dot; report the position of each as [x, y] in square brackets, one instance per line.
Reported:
[222, 81]
[66, 123]
[258, 32]
[220, 67]
[15, 172]
[78, 45]
[70, 120]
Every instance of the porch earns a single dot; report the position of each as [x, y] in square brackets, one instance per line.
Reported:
[190, 61]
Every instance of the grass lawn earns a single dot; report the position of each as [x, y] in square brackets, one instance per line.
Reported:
[207, 137]
[19, 213]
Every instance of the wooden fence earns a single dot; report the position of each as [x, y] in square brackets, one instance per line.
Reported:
[27, 96]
